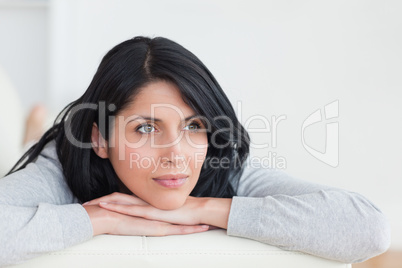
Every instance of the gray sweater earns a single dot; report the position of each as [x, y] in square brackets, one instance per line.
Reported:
[39, 214]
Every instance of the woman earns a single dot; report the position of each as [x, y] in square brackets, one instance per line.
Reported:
[153, 147]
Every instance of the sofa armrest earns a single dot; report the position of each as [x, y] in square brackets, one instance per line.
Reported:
[209, 249]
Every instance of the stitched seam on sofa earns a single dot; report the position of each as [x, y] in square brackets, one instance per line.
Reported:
[66, 251]
[173, 253]
[144, 245]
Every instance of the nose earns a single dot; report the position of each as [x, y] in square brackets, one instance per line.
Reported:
[172, 148]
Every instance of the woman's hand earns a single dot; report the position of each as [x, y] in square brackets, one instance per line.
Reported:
[210, 211]
[109, 222]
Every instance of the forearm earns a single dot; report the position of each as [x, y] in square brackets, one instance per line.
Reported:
[332, 224]
[31, 231]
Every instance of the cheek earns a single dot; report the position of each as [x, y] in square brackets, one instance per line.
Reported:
[198, 147]
[140, 160]
[134, 171]
[130, 163]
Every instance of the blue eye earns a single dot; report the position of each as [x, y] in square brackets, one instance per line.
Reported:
[146, 128]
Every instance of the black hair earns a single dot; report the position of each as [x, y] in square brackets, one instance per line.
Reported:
[124, 70]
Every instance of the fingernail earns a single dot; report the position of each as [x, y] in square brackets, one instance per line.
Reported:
[205, 226]
[85, 203]
[103, 203]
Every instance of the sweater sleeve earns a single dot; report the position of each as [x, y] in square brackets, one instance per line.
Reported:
[38, 212]
[274, 208]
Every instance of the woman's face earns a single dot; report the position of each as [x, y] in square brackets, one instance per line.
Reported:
[157, 146]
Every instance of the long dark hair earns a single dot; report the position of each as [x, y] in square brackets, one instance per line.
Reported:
[124, 69]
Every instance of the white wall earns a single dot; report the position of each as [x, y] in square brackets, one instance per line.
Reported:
[276, 57]
[23, 66]
[23, 48]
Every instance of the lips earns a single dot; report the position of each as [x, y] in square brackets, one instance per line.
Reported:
[171, 180]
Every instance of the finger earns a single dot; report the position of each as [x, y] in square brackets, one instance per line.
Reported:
[184, 229]
[211, 227]
[128, 225]
[151, 213]
[118, 198]
[132, 210]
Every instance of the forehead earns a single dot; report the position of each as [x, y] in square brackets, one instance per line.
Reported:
[157, 97]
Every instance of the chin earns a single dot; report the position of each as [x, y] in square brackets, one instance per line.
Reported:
[168, 204]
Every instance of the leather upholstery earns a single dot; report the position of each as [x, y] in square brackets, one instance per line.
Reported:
[209, 249]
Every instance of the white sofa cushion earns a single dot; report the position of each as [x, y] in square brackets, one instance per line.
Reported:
[209, 249]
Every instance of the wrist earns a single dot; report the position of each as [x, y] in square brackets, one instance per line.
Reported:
[101, 219]
[216, 212]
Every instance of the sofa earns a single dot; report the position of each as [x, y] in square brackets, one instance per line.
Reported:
[208, 249]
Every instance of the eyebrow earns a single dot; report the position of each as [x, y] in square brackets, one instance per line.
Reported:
[160, 120]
